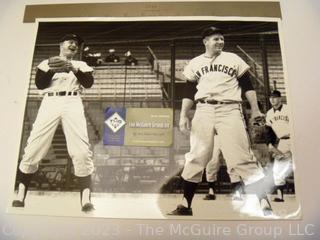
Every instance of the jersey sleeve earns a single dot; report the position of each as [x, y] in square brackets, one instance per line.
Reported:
[189, 73]
[43, 66]
[242, 66]
[268, 119]
[286, 111]
[83, 67]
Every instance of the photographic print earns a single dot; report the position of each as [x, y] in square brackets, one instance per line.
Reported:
[158, 118]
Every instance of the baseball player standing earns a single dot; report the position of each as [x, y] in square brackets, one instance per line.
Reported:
[61, 80]
[217, 78]
[277, 121]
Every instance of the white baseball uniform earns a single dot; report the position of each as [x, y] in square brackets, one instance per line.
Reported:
[218, 80]
[278, 120]
[214, 164]
[69, 110]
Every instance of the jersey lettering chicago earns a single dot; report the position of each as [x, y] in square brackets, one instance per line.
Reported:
[217, 77]
[64, 81]
[278, 120]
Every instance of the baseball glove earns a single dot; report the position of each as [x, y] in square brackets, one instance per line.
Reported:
[257, 129]
[283, 156]
[58, 64]
[259, 121]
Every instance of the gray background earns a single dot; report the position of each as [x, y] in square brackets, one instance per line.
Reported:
[301, 35]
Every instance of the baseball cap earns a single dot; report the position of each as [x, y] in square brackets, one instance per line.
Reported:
[210, 31]
[72, 36]
[275, 93]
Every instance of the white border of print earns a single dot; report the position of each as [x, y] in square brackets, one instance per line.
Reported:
[167, 18]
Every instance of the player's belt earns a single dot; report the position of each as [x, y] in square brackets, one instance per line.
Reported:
[215, 102]
[63, 93]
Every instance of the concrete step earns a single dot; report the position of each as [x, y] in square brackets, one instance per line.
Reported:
[121, 66]
[119, 92]
[60, 150]
[119, 97]
[129, 88]
[59, 146]
[121, 81]
[61, 156]
[114, 70]
[109, 85]
[110, 97]
[59, 139]
[123, 76]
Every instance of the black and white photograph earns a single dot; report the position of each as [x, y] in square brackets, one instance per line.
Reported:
[158, 118]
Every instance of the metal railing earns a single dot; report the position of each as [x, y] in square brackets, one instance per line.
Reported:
[254, 67]
[156, 68]
[123, 82]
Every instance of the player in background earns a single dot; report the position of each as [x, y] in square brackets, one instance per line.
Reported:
[277, 121]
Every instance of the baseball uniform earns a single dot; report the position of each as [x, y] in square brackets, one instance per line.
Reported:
[278, 120]
[217, 80]
[69, 110]
[214, 164]
[61, 88]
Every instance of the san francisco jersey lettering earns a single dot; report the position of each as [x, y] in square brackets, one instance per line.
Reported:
[278, 120]
[217, 77]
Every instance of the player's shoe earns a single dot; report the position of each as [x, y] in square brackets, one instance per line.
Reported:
[181, 211]
[267, 211]
[209, 197]
[237, 196]
[17, 203]
[266, 207]
[88, 207]
[278, 199]
[237, 191]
